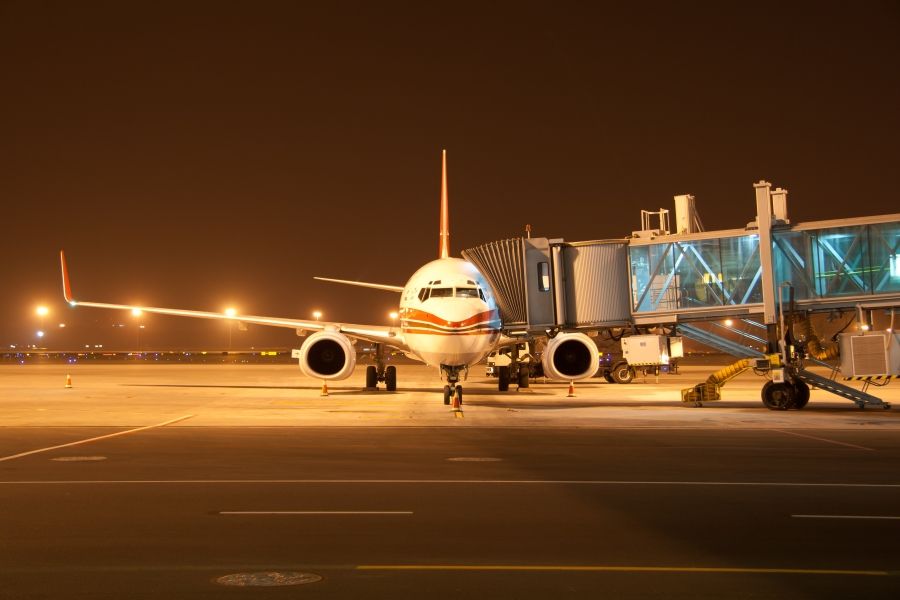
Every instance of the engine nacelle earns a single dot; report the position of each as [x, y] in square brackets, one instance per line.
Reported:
[327, 355]
[570, 356]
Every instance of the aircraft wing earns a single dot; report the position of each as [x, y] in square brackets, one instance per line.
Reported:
[371, 333]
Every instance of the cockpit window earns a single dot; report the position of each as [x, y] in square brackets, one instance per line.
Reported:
[423, 294]
[466, 292]
[441, 292]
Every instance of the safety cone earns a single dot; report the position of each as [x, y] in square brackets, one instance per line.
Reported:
[68, 380]
[571, 390]
[324, 388]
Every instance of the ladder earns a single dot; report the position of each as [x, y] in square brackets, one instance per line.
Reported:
[844, 391]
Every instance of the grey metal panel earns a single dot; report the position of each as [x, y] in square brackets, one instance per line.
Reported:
[502, 264]
[596, 280]
[538, 293]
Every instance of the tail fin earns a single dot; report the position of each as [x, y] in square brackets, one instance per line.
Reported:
[444, 250]
[67, 287]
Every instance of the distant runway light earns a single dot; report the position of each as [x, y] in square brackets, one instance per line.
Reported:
[230, 311]
[40, 334]
[61, 325]
[42, 311]
[136, 312]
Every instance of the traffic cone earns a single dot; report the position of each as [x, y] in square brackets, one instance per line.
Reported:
[324, 388]
[68, 380]
[571, 390]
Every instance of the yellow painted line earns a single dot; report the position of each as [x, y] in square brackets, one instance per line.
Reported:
[821, 439]
[618, 569]
[94, 439]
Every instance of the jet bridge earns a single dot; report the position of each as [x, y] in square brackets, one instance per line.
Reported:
[657, 278]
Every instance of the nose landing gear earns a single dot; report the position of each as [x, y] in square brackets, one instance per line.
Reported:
[453, 391]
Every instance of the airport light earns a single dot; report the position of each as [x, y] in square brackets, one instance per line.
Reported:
[42, 311]
[136, 312]
[40, 334]
[317, 314]
[393, 317]
[62, 325]
[728, 322]
[230, 311]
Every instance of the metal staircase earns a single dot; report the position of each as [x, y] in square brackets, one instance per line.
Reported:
[718, 342]
[844, 391]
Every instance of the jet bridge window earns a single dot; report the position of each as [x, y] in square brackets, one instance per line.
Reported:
[543, 276]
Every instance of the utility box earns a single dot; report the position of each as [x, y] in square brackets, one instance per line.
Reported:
[647, 350]
[871, 354]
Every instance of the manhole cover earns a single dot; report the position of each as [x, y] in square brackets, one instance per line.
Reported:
[268, 579]
[474, 459]
[78, 458]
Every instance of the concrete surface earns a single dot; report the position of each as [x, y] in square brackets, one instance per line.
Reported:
[620, 492]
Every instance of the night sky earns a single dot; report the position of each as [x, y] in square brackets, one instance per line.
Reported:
[204, 155]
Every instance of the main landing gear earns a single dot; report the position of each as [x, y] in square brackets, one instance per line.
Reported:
[453, 392]
[378, 372]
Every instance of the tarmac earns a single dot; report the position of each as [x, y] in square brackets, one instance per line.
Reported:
[150, 480]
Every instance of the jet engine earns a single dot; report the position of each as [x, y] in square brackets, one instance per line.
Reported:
[327, 355]
[570, 356]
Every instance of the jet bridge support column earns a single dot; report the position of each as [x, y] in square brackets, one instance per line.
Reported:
[764, 225]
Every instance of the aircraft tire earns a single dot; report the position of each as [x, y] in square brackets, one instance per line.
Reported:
[390, 378]
[447, 395]
[503, 378]
[371, 377]
[523, 376]
[459, 394]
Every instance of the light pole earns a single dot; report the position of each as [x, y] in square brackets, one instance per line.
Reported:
[393, 316]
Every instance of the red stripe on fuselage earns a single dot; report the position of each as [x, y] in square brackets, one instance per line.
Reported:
[415, 314]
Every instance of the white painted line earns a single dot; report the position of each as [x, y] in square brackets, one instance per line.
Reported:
[875, 517]
[445, 482]
[821, 439]
[94, 439]
[316, 512]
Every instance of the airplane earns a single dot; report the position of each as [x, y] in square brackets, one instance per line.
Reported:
[449, 319]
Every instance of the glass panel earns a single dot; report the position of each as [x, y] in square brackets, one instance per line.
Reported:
[698, 273]
[441, 292]
[840, 261]
[793, 263]
[884, 246]
[653, 282]
[462, 292]
[741, 271]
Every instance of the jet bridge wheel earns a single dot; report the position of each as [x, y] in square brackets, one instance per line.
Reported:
[801, 394]
[390, 378]
[778, 396]
[503, 378]
[371, 377]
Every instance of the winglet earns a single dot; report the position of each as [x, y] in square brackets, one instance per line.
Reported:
[444, 251]
[67, 287]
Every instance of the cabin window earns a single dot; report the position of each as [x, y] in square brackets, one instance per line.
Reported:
[543, 276]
